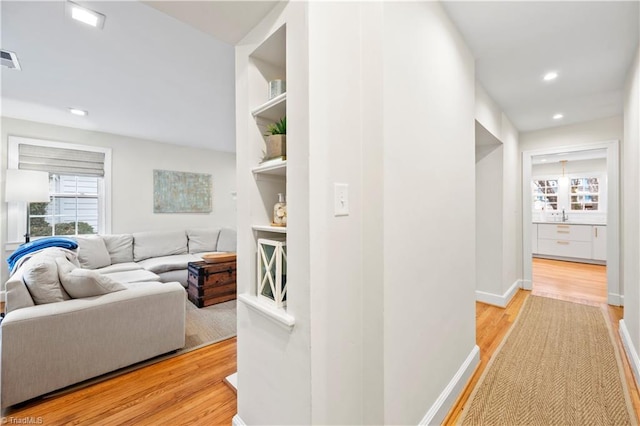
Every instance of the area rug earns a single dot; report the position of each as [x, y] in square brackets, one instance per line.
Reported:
[204, 326]
[558, 365]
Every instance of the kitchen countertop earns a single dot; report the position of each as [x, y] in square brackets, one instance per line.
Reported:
[548, 222]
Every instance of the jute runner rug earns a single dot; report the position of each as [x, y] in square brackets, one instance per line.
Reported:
[558, 365]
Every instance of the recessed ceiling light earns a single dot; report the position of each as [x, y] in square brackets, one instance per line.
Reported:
[551, 75]
[558, 116]
[76, 111]
[85, 15]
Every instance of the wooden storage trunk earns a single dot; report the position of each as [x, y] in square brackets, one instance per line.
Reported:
[211, 283]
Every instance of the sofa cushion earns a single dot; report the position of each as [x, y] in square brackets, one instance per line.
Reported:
[119, 267]
[41, 278]
[81, 283]
[202, 239]
[168, 263]
[120, 247]
[139, 275]
[227, 240]
[158, 243]
[92, 252]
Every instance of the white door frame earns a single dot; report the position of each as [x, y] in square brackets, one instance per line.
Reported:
[614, 290]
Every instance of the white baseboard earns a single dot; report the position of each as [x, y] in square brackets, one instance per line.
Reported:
[497, 299]
[615, 299]
[237, 421]
[449, 395]
[527, 285]
[632, 354]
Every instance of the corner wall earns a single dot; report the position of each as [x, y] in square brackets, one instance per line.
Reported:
[133, 162]
[630, 229]
[498, 214]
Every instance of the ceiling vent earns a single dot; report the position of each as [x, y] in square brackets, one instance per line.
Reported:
[9, 60]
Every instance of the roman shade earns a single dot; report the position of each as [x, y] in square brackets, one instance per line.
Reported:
[60, 160]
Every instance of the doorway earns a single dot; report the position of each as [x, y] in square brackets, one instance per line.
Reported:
[571, 220]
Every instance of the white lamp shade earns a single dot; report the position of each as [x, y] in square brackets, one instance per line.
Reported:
[27, 185]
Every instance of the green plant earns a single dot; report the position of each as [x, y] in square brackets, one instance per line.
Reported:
[278, 128]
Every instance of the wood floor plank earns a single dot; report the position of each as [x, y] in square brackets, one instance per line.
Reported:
[186, 389]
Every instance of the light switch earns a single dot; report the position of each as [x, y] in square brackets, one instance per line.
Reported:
[341, 199]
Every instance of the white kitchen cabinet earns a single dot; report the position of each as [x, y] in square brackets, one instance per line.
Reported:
[534, 238]
[564, 240]
[564, 232]
[599, 242]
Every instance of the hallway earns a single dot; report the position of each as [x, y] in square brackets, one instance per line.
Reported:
[575, 282]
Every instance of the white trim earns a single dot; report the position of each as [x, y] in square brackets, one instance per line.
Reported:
[16, 212]
[630, 350]
[615, 299]
[447, 398]
[237, 421]
[277, 315]
[613, 209]
[496, 299]
[527, 285]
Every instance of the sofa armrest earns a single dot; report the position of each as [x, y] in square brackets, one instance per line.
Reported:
[47, 347]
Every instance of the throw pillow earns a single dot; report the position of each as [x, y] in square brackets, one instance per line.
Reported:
[41, 278]
[81, 283]
[92, 252]
[120, 247]
[202, 240]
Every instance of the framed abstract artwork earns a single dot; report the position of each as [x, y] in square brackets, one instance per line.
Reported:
[182, 192]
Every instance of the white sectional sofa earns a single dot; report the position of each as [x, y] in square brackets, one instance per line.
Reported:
[152, 256]
[49, 344]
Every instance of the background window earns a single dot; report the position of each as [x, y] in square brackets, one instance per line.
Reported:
[545, 194]
[585, 193]
[74, 208]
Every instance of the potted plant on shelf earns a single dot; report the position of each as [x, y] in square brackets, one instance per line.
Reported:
[277, 140]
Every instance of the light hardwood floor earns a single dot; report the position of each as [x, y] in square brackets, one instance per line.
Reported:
[574, 282]
[189, 389]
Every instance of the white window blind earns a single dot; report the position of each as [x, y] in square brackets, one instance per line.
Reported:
[61, 161]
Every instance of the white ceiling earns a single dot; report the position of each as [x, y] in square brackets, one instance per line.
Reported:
[159, 71]
[590, 44]
[145, 75]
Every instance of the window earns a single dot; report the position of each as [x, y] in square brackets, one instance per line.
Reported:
[74, 208]
[585, 193]
[545, 194]
[79, 183]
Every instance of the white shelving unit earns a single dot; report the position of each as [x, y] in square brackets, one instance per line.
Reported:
[267, 62]
[269, 228]
[272, 110]
[272, 168]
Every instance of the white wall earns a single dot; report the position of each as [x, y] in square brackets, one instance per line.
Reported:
[598, 165]
[630, 229]
[489, 222]
[385, 313]
[429, 214]
[512, 207]
[133, 162]
[498, 214]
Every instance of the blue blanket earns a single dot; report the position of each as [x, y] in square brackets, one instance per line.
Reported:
[40, 244]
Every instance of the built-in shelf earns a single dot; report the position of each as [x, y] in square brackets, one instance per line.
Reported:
[272, 167]
[273, 110]
[279, 316]
[269, 228]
